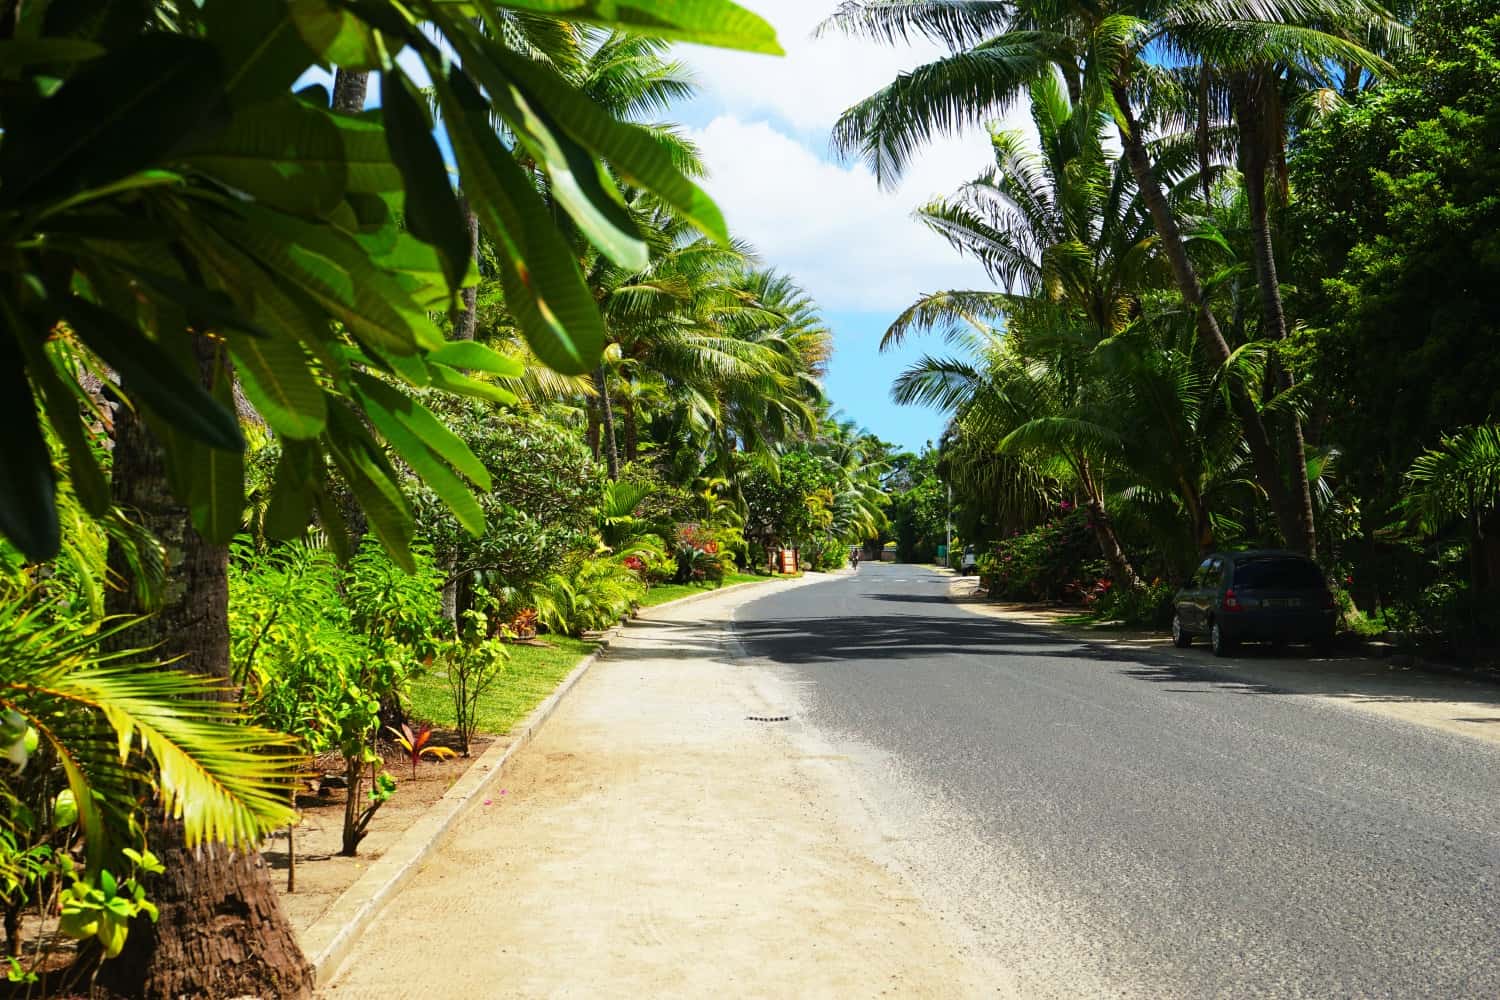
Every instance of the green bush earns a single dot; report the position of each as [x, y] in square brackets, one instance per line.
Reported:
[1055, 562]
[589, 593]
[825, 553]
[1151, 605]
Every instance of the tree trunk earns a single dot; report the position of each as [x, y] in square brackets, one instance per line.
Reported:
[468, 319]
[1262, 451]
[353, 779]
[1254, 152]
[607, 415]
[450, 588]
[632, 429]
[222, 932]
[1120, 568]
[1103, 531]
[349, 91]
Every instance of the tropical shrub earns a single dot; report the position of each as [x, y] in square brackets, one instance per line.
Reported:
[590, 593]
[472, 665]
[695, 565]
[1150, 605]
[543, 503]
[306, 666]
[1050, 563]
[825, 553]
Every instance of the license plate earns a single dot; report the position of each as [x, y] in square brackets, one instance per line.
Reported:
[1283, 602]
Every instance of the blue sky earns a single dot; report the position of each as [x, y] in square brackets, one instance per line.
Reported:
[763, 125]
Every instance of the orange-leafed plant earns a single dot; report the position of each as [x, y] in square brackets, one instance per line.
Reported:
[416, 745]
[523, 625]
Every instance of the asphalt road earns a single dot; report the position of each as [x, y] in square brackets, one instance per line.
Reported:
[1097, 823]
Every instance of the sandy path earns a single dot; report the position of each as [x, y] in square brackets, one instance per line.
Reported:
[653, 842]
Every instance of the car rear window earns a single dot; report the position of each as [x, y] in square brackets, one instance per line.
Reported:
[1267, 574]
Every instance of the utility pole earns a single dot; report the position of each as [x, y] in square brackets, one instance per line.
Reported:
[948, 552]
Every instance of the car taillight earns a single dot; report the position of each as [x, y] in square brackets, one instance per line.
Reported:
[1230, 602]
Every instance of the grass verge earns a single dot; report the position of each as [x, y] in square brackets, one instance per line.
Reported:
[664, 592]
[531, 674]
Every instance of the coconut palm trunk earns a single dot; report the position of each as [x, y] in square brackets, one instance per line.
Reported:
[607, 419]
[467, 325]
[222, 932]
[1254, 163]
[1262, 451]
[632, 428]
[1103, 530]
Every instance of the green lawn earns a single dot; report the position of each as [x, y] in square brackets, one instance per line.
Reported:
[532, 673]
[664, 592]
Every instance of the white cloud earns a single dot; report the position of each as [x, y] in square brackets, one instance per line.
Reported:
[854, 246]
[817, 79]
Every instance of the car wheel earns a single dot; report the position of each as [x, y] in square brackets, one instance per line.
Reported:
[1221, 646]
[1181, 638]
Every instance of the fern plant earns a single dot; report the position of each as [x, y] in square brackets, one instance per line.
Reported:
[590, 593]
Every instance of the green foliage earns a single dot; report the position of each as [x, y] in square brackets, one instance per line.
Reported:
[294, 647]
[390, 605]
[919, 507]
[321, 648]
[179, 187]
[588, 594]
[100, 906]
[1395, 227]
[113, 727]
[472, 664]
[1150, 605]
[1056, 561]
[542, 505]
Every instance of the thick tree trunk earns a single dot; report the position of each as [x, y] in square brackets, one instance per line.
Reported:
[607, 417]
[1253, 161]
[1262, 451]
[222, 932]
[349, 91]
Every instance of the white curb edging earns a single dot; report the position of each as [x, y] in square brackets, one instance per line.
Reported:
[328, 942]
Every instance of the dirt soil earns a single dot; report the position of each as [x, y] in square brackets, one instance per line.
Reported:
[322, 873]
[1467, 707]
[653, 841]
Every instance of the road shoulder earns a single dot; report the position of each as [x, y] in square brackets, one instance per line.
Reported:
[1467, 708]
[655, 841]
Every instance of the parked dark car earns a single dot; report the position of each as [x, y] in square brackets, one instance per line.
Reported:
[1261, 596]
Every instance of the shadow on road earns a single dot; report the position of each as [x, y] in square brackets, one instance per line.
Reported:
[905, 637]
[857, 639]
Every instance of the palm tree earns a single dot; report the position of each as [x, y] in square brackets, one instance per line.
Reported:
[1264, 99]
[1059, 227]
[996, 49]
[1459, 482]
